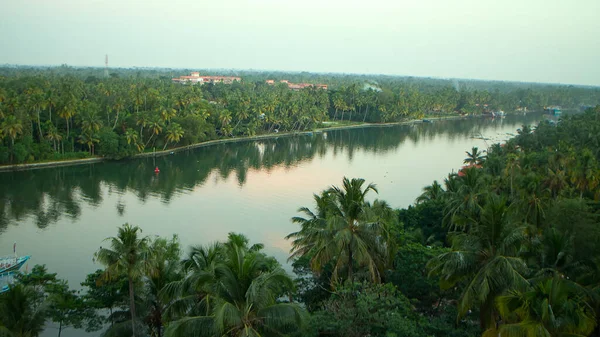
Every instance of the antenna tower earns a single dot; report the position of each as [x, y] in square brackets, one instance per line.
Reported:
[106, 66]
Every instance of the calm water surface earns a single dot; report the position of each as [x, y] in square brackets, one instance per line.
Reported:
[61, 215]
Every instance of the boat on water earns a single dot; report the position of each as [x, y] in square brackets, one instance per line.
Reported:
[6, 281]
[12, 263]
[553, 110]
[498, 113]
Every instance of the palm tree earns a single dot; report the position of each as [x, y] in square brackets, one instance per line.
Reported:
[142, 120]
[432, 192]
[12, 128]
[67, 112]
[20, 315]
[553, 307]
[584, 175]
[474, 157]
[89, 139]
[165, 255]
[167, 113]
[132, 136]
[485, 257]
[156, 127]
[54, 136]
[127, 255]
[237, 287]
[174, 134]
[346, 230]
[90, 122]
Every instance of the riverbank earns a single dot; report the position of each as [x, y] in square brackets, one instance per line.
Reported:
[49, 164]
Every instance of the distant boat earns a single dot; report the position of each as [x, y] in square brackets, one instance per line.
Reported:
[427, 121]
[498, 113]
[12, 263]
[6, 281]
[553, 110]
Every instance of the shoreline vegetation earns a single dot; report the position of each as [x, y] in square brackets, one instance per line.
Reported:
[48, 115]
[505, 247]
[93, 160]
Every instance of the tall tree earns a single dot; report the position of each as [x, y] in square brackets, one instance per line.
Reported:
[127, 255]
[345, 230]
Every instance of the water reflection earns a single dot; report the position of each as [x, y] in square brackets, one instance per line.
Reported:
[48, 195]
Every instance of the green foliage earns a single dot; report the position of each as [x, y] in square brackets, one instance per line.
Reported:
[410, 275]
[21, 313]
[64, 109]
[104, 294]
[232, 289]
[363, 309]
[346, 231]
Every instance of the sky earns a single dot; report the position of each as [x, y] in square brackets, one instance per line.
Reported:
[554, 41]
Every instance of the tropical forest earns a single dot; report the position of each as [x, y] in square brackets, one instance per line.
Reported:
[506, 246]
[62, 113]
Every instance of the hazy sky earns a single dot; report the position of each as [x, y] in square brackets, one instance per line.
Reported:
[525, 40]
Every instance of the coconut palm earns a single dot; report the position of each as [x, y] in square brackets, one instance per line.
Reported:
[584, 175]
[238, 289]
[142, 120]
[20, 314]
[165, 255]
[127, 255]
[554, 307]
[90, 122]
[12, 128]
[173, 134]
[432, 192]
[89, 139]
[54, 136]
[132, 136]
[166, 114]
[156, 127]
[485, 257]
[463, 192]
[67, 112]
[474, 157]
[346, 231]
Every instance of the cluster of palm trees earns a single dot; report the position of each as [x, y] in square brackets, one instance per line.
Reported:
[519, 234]
[65, 110]
[223, 289]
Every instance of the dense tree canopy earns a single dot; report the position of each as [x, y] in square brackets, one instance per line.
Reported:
[64, 113]
[505, 247]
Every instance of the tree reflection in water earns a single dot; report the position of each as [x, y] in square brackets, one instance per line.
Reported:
[49, 194]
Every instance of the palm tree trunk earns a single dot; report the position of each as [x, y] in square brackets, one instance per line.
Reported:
[116, 120]
[39, 124]
[149, 139]
[132, 306]
[350, 264]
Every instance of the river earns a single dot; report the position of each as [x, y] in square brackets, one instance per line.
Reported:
[60, 216]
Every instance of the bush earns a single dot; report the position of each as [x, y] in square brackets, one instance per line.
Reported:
[364, 309]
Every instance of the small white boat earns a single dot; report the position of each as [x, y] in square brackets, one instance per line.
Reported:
[498, 113]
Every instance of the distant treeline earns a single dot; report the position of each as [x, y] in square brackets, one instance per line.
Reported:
[63, 112]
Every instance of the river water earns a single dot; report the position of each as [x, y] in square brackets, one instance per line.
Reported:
[60, 216]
